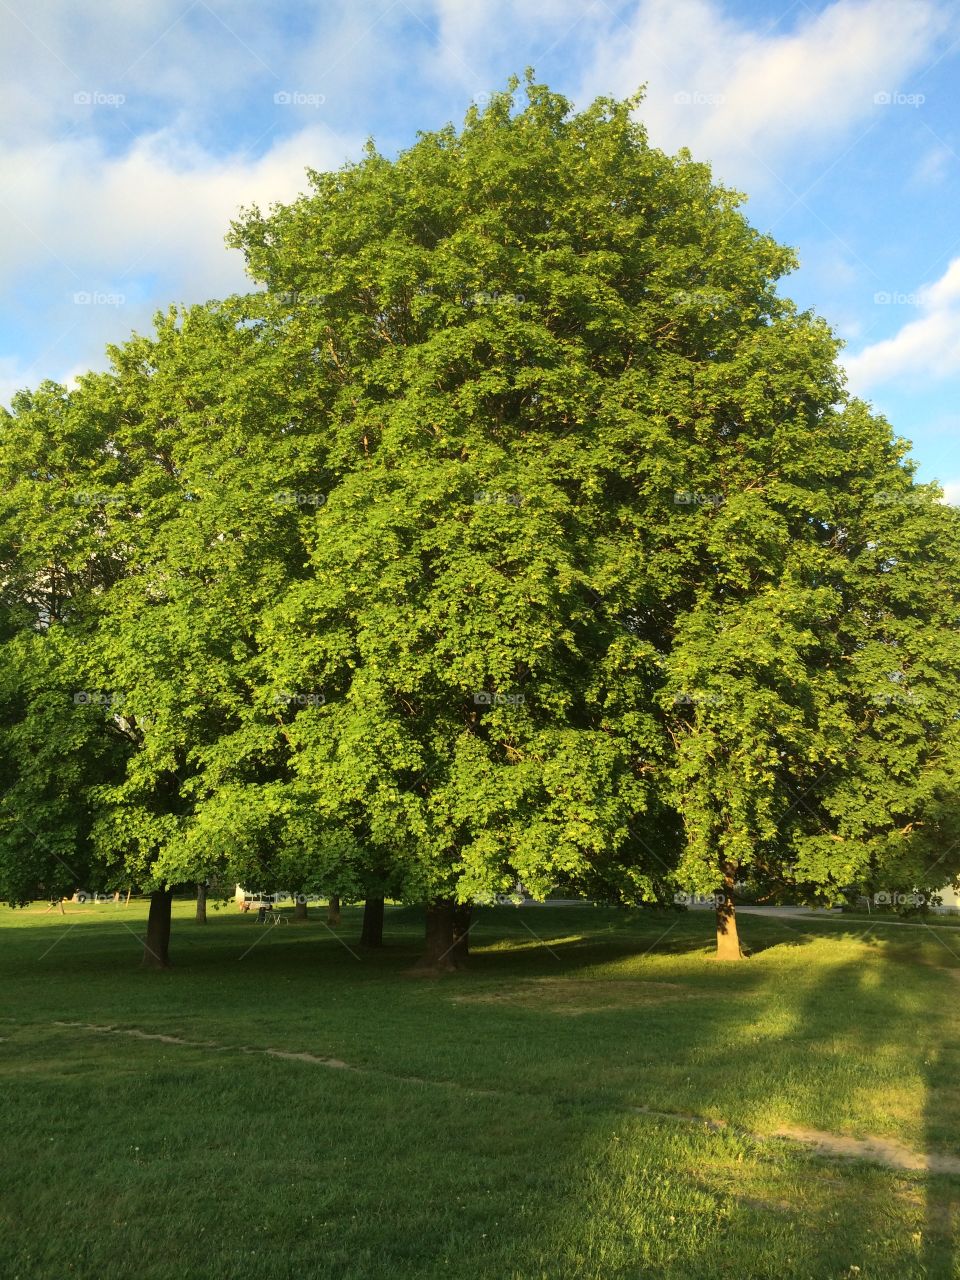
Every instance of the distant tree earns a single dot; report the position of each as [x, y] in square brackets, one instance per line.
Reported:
[56, 734]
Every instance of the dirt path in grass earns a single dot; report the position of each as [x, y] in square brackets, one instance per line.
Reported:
[885, 1151]
[882, 1151]
[336, 1064]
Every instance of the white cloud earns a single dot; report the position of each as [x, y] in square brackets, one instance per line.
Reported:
[749, 101]
[934, 166]
[474, 41]
[161, 204]
[926, 347]
[134, 231]
[168, 52]
[135, 200]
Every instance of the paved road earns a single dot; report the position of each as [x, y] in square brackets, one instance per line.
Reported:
[827, 916]
[785, 913]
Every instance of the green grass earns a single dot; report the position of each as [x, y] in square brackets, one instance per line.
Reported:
[492, 1128]
[888, 917]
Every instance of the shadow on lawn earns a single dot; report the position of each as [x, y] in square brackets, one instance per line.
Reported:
[881, 1005]
[874, 1003]
[942, 1193]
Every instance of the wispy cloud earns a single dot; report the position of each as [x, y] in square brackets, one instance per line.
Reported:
[749, 100]
[926, 346]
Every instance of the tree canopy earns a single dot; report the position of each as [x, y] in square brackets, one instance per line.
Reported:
[515, 529]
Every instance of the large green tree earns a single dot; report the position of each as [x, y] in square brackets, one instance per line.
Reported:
[518, 530]
[602, 511]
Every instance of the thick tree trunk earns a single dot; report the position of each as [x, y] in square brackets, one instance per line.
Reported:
[156, 950]
[333, 911]
[728, 940]
[201, 903]
[300, 907]
[371, 935]
[462, 913]
[446, 940]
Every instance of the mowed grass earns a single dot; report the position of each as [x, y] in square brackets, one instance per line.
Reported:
[527, 1120]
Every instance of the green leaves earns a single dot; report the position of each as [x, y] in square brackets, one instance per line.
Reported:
[518, 528]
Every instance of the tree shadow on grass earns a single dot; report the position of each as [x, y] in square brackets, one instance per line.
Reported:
[521, 1150]
[826, 1034]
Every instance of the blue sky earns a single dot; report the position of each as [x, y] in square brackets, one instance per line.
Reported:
[132, 133]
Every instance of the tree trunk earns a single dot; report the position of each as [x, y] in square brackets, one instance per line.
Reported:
[129, 891]
[201, 903]
[333, 911]
[462, 913]
[372, 933]
[156, 950]
[728, 940]
[441, 941]
[300, 907]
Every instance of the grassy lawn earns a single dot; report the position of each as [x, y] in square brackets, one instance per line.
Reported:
[526, 1120]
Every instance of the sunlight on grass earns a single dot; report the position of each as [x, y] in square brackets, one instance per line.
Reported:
[557, 1095]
